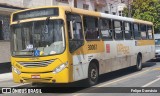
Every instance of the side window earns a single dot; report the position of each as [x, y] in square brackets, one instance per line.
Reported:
[136, 32]
[75, 34]
[74, 25]
[1, 31]
[143, 31]
[117, 25]
[91, 28]
[128, 30]
[106, 30]
[150, 32]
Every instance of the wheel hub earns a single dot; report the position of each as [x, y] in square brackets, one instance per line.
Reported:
[93, 74]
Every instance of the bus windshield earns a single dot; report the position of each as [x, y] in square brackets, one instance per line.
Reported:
[46, 37]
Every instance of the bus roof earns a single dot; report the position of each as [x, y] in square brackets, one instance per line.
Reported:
[92, 13]
[81, 11]
[99, 14]
[116, 17]
[125, 18]
[142, 21]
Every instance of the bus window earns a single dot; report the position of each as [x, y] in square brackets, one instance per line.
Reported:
[118, 30]
[106, 30]
[75, 34]
[1, 31]
[91, 28]
[128, 30]
[18, 39]
[150, 32]
[143, 31]
[22, 35]
[136, 32]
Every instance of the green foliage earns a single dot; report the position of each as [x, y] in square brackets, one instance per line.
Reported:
[148, 10]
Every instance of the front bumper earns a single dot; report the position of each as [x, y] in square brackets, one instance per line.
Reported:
[49, 77]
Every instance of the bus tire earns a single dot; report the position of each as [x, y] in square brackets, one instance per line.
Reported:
[93, 74]
[139, 63]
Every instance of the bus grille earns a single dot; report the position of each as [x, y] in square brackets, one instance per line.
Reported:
[36, 63]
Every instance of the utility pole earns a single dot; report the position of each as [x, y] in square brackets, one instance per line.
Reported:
[129, 9]
[110, 8]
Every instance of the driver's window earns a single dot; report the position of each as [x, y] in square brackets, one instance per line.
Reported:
[75, 34]
[74, 26]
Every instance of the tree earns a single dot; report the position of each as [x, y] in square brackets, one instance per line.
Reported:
[148, 10]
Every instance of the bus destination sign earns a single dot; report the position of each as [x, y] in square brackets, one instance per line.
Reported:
[36, 13]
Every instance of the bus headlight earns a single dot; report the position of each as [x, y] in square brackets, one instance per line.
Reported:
[16, 70]
[60, 68]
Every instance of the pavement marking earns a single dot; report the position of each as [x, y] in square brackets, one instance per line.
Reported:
[150, 83]
[156, 69]
[136, 74]
[20, 85]
[122, 78]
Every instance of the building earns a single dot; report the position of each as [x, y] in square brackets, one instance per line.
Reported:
[116, 7]
[108, 6]
[5, 11]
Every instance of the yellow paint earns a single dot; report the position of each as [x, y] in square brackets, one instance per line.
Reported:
[61, 77]
[156, 69]
[85, 12]
[122, 49]
[64, 76]
[145, 42]
[85, 48]
[143, 22]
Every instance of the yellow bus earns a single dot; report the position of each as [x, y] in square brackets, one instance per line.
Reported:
[60, 44]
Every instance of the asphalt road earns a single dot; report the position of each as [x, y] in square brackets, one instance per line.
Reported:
[149, 76]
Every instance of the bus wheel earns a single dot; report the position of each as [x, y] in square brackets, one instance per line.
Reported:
[139, 63]
[93, 74]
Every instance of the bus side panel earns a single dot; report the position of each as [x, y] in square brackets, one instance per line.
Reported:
[84, 55]
[80, 67]
[116, 55]
[147, 48]
[81, 64]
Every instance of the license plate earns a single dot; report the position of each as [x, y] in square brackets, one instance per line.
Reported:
[35, 76]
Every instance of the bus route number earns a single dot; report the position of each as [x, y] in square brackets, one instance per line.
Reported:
[92, 47]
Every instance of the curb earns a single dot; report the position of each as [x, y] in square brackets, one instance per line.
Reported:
[5, 67]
